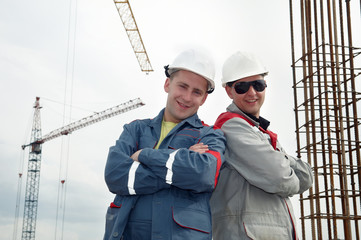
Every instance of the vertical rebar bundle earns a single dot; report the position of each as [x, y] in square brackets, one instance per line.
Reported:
[326, 99]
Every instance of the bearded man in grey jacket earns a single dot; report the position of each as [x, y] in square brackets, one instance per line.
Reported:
[251, 200]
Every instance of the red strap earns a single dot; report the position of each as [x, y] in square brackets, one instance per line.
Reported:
[293, 224]
[205, 124]
[224, 117]
[112, 205]
[273, 137]
[219, 163]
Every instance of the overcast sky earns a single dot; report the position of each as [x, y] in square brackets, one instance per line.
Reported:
[78, 52]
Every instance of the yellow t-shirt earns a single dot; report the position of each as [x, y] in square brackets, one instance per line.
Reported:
[166, 128]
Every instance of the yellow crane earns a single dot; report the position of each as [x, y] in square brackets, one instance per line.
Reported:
[127, 17]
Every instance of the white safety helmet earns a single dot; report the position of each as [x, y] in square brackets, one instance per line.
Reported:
[240, 65]
[196, 61]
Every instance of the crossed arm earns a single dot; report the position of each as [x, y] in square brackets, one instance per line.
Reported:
[198, 147]
[130, 171]
[262, 166]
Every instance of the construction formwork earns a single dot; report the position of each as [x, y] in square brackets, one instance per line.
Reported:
[326, 87]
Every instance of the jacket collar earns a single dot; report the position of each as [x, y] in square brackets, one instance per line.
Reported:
[264, 123]
[193, 120]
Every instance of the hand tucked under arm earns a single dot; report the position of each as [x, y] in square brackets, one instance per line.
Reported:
[199, 148]
[135, 155]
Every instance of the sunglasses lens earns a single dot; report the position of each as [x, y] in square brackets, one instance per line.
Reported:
[259, 85]
[243, 87]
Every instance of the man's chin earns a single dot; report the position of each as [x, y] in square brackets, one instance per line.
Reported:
[184, 115]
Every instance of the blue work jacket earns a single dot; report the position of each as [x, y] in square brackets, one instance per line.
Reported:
[179, 181]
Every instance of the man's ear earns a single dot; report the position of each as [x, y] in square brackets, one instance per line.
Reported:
[204, 99]
[166, 85]
[229, 91]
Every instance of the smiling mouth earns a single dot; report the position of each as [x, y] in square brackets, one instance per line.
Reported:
[182, 105]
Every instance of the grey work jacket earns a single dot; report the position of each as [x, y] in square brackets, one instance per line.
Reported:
[251, 200]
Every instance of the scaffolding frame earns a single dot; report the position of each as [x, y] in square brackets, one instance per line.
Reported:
[326, 100]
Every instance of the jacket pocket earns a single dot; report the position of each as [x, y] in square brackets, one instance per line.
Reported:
[192, 219]
[264, 232]
[110, 218]
[117, 216]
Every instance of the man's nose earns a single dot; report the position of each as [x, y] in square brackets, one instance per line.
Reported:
[251, 90]
[187, 95]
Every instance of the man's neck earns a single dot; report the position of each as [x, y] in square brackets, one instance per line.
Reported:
[262, 122]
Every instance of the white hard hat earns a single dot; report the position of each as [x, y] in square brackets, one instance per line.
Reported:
[240, 65]
[196, 61]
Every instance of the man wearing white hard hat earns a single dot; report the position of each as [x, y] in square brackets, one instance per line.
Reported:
[251, 200]
[163, 170]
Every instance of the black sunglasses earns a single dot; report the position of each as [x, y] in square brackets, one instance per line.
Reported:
[243, 87]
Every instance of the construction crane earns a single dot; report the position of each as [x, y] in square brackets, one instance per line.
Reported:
[35, 147]
[33, 174]
[127, 17]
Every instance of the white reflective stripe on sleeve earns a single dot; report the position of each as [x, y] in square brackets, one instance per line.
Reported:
[131, 177]
[169, 165]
